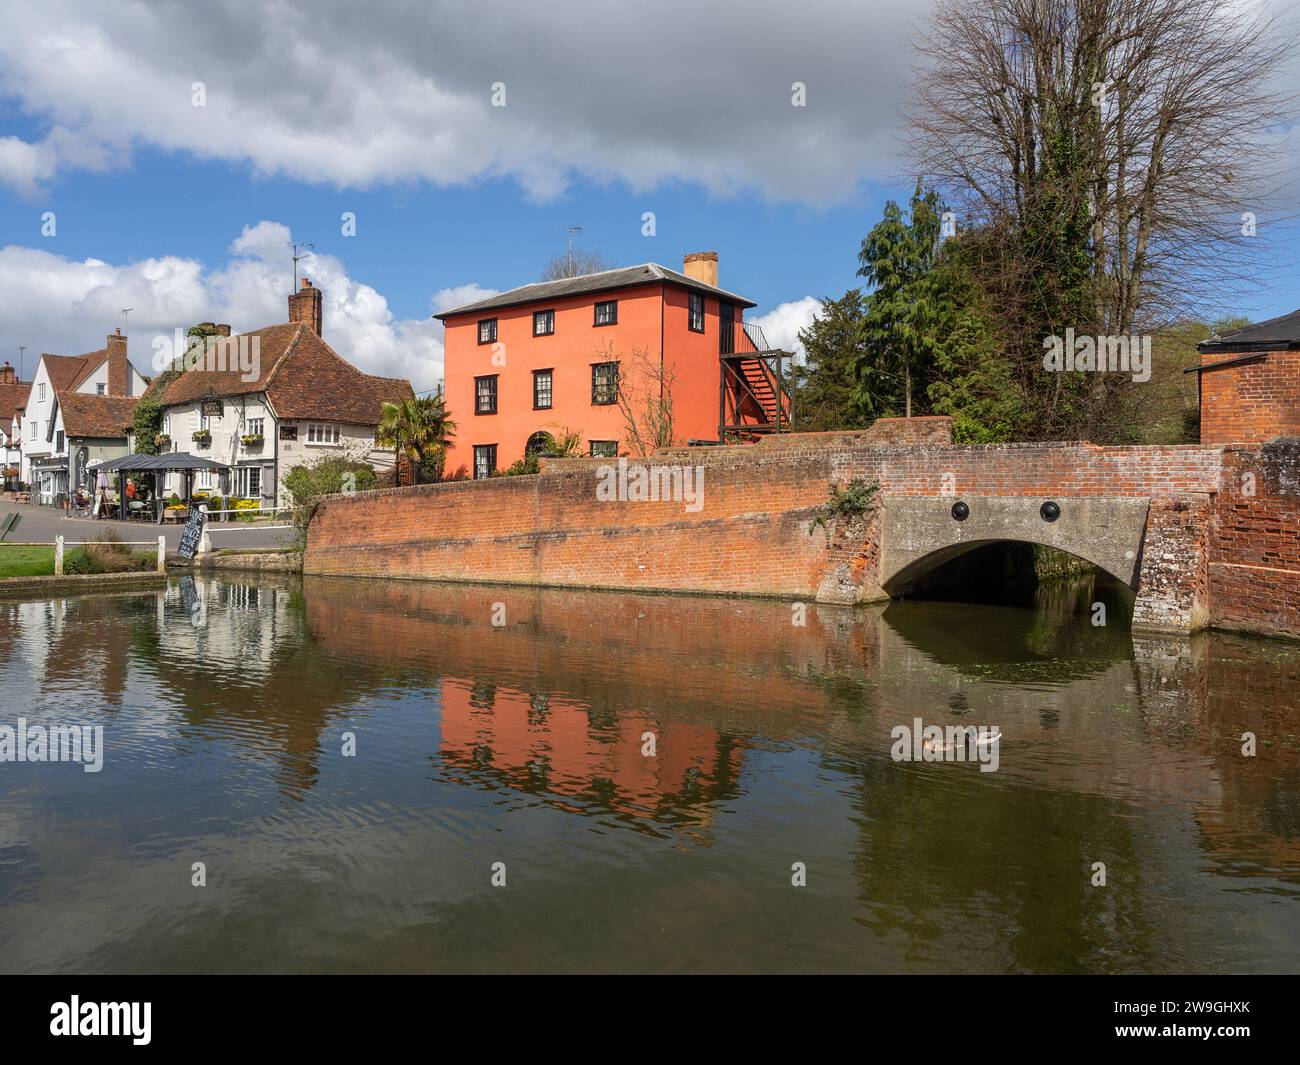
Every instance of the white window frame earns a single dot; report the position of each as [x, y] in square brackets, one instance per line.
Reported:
[324, 434]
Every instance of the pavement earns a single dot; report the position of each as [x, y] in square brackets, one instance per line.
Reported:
[40, 525]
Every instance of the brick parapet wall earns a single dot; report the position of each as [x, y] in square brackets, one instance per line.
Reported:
[752, 535]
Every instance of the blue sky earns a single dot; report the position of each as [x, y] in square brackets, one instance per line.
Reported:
[182, 211]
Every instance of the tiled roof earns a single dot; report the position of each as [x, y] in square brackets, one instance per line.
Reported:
[96, 416]
[623, 277]
[68, 371]
[1276, 333]
[12, 398]
[301, 374]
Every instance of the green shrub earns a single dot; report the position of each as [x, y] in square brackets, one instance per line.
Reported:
[851, 501]
[326, 476]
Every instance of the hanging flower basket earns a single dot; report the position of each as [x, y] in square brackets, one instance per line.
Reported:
[162, 440]
[203, 437]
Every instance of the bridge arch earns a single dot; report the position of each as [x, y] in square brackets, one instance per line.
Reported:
[918, 534]
[899, 582]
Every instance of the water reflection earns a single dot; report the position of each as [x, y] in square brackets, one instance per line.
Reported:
[648, 768]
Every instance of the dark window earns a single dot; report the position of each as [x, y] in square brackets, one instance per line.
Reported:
[604, 383]
[487, 331]
[543, 323]
[485, 395]
[604, 449]
[541, 389]
[696, 313]
[288, 432]
[485, 461]
[607, 312]
[58, 440]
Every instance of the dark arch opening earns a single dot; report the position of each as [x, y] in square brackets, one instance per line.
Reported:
[1013, 573]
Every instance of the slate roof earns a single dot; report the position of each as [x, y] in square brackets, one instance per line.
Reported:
[1275, 334]
[95, 416]
[301, 375]
[604, 281]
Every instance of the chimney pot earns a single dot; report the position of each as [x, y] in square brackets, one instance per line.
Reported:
[223, 330]
[306, 283]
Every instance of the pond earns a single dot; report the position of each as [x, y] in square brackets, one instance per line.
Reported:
[332, 775]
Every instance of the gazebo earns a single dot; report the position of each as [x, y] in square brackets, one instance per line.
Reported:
[169, 462]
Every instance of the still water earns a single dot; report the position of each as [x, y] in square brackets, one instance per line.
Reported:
[227, 709]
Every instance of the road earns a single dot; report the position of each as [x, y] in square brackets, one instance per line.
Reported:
[40, 525]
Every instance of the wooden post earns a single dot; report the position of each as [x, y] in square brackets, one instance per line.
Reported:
[58, 556]
[162, 554]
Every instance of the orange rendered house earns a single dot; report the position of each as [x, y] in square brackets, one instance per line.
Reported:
[525, 366]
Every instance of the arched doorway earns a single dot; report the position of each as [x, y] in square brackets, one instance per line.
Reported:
[540, 443]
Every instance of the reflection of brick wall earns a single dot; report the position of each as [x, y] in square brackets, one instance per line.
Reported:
[1254, 559]
[752, 535]
[1253, 402]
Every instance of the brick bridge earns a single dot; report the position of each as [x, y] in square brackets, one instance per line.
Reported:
[1203, 534]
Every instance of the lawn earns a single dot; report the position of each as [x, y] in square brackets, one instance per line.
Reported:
[35, 560]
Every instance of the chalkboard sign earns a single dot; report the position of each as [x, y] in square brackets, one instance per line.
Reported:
[192, 535]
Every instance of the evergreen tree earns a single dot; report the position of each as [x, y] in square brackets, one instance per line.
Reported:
[826, 383]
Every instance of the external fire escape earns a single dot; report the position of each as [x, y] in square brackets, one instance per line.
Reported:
[755, 396]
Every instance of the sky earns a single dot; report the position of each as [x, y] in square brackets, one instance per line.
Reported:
[161, 156]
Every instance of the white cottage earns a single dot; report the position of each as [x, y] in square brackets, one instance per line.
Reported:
[265, 401]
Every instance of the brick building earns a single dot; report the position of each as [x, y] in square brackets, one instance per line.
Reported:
[1250, 383]
[528, 364]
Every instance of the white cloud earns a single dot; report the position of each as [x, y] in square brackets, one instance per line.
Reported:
[781, 325]
[351, 95]
[447, 298]
[67, 307]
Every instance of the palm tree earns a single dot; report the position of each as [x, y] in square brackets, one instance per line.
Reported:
[417, 429]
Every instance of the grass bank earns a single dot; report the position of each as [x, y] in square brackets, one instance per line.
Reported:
[106, 555]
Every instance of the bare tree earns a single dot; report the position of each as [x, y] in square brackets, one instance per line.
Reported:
[645, 397]
[582, 262]
[1148, 121]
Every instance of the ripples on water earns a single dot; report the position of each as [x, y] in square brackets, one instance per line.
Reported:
[226, 708]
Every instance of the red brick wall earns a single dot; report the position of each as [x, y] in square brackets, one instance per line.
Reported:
[1208, 553]
[1254, 556]
[1253, 402]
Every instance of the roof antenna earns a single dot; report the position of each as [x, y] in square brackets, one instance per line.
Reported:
[295, 245]
[570, 230]
[125, 312]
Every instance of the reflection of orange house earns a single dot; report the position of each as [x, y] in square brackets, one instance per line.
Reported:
[549, 745]
[525, 364]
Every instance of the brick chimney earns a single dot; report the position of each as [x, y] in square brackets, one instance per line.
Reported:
[223, 330]
[702, 266]
[305, 306]
[7, 375]
[117, 371]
